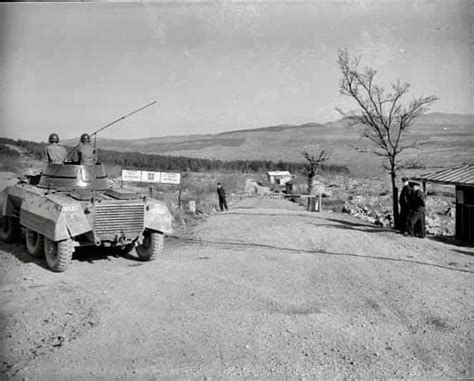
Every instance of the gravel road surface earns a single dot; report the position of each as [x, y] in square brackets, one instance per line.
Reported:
[266, 290]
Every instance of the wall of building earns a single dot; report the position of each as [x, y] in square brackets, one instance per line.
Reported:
[465, 213]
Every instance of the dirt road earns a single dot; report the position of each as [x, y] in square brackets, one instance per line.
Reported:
[266, 290]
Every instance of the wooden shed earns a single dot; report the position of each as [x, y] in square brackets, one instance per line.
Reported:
[279, 177]
[463, 179]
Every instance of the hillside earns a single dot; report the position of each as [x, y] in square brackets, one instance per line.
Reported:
[446, 139]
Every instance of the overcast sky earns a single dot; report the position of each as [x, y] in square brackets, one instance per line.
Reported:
[71, 68]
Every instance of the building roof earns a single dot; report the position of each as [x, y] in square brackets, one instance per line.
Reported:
[278, 173]
[454, 176]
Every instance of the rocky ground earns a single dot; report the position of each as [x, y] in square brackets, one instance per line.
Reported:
[266, 290]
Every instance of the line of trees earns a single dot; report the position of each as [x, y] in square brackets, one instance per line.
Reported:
[180, 163]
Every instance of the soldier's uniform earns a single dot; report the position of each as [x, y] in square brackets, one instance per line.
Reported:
[221, 196]
[55, 154]
[417, 214]
[84, 154]
[405, 205]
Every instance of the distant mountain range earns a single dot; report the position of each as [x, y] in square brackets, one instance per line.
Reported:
[448, 139]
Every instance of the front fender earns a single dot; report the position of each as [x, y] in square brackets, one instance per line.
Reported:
[54, 217]
[158, 216]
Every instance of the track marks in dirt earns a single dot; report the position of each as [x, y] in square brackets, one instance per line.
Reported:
[48, 318]
[230, 244]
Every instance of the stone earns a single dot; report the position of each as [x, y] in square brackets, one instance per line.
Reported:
[192, 206]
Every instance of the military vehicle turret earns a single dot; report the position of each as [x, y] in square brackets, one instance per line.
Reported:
[71, 205]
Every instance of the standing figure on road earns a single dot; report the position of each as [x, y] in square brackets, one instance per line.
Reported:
[55, 153]
[221, 195]
[405, 205]
[417, 214]
[85, 154]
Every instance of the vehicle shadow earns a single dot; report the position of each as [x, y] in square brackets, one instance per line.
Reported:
[91, 254]
[88, 254]
[18, 250]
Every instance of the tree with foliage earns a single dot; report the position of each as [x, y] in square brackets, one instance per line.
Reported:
[312, 166]
[382, 116]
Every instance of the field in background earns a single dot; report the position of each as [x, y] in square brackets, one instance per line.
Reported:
[442, 140]
[371, 195]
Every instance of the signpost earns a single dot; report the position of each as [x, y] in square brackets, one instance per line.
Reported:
[129, 175]
[170, 178]
[152, 177]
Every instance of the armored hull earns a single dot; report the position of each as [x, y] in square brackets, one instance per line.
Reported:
[74, 205]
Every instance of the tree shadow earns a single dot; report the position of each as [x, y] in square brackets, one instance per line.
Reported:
[318, 252]
[369, 229]
[469, 253]
[451, 240]
[359, 226]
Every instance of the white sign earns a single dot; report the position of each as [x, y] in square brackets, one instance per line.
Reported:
[151, 177]
[130, 175]
[170, 178]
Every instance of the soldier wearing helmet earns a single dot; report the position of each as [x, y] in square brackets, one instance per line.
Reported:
[85, 153]
[55, 153]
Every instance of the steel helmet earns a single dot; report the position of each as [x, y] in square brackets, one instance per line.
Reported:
[85, 138]
[53, 138]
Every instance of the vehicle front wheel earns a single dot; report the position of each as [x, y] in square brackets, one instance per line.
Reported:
[58, 254]
[10, 231]
[152, 246]
[34, 243]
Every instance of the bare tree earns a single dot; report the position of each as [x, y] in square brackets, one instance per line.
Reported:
[312, 166]
[382, 116]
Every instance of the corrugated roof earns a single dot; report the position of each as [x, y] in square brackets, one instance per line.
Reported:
[456, 176]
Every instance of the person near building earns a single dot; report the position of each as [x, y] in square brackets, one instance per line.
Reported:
[221, 196]
[85, 153]
[405, 205]
[417, 213]
[55, 153]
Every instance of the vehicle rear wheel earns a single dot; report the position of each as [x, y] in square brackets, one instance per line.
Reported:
[152, 246]
[58, 254]
[10, 231]
[34, 243]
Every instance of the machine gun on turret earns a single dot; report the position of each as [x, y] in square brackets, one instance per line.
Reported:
[94, 134]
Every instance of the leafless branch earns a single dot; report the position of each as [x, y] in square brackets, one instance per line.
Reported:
[382, 117]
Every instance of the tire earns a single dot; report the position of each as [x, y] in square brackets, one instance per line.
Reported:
[10, 230]
[151, 247]
[34, 243]
[58, 254]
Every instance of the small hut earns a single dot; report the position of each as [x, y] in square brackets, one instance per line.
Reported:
[463, 179]
[279, 177]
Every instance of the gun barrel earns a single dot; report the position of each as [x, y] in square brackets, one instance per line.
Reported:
[112, 123]
[123, 117]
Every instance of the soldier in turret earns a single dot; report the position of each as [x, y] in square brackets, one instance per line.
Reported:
[85, 153]
[55, 153]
